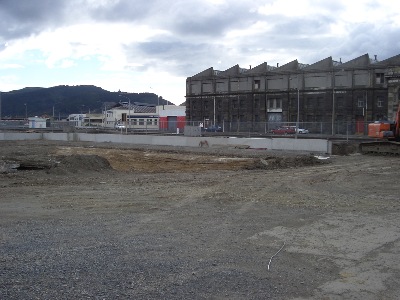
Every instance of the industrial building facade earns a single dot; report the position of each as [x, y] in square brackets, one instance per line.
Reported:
[326, 97]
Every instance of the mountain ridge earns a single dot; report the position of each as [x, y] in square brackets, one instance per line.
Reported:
[63, 100]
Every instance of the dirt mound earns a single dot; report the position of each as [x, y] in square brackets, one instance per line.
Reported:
[277, 162]
[78, 163]
[344, 148]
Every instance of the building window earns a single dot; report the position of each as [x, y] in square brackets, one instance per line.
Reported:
[207, 87]
[156, 122]
[220, 86]
[275, 103]
[278, 103]
[360, 102]
[241, 103]
[293, 102]
[340, 102]
[234, 104]
[256, 84]
[149, 121]
[234, 85]
[380, 78]
[271, 103]
[205, 104]
[320, 102]
[141, 121]
[379, 102]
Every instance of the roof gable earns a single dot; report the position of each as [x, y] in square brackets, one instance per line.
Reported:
[324, 64]
[391, 61]
[206, 73]
[361, 61]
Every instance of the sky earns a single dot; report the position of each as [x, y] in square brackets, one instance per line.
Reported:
[154, 45]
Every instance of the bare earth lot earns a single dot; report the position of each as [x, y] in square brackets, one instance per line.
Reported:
[104, 221]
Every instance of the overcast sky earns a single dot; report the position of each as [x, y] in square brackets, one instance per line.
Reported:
[154, 45]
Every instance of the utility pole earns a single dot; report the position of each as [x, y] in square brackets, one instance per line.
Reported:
[298, 109]
[214, 110]
[333, 111]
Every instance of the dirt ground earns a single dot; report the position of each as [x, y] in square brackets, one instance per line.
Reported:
[107, 221]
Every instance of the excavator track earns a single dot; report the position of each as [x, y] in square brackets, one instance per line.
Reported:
[380, 148]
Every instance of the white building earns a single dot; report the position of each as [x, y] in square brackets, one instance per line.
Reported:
[135, 117]
[132, 116]
[77, 120]
[36, 122]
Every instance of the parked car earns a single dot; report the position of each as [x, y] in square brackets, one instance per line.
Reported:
[214, 128]
[299, 130]
[302, 131]
[283, 130]
[120, 126]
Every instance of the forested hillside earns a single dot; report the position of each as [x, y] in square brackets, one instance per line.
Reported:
[65, 100]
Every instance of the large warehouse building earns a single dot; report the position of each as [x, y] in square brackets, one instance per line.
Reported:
[331, 97]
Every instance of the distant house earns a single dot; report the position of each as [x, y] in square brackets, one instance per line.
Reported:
[36, 122]
[172, 117]
[77, 120]
[146, 117]
[133, 116]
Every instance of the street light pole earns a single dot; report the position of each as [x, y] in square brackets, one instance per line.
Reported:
[333, 111]
[298, 109]
[214, 110]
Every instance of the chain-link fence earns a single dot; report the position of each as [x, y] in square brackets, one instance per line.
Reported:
[325, 128]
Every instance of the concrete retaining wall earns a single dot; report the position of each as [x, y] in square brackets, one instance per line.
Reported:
[288, 144]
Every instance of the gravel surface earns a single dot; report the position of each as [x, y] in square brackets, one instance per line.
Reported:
[103, 221]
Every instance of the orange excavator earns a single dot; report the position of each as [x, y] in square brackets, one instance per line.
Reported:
[387, 135]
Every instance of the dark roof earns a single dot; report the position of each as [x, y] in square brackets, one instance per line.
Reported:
[137, 108]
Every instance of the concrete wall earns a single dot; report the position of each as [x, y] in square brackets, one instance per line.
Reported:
[288, 144]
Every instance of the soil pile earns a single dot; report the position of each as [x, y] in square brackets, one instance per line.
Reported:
[279, 162]
[78, 163]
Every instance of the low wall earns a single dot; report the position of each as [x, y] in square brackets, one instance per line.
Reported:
[288, 144]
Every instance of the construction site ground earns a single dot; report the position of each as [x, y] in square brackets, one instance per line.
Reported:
[112, 221]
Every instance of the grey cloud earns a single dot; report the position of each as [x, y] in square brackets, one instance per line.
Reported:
[23, 18]
[369, 38]
[197, 30]
[182, 59]
[123, 10]
[189, 18]
[302, 26]
[196, 18]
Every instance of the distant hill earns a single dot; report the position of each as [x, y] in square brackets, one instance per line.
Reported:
[64, 100]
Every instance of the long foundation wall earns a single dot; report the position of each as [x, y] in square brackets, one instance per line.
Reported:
[285, 144]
